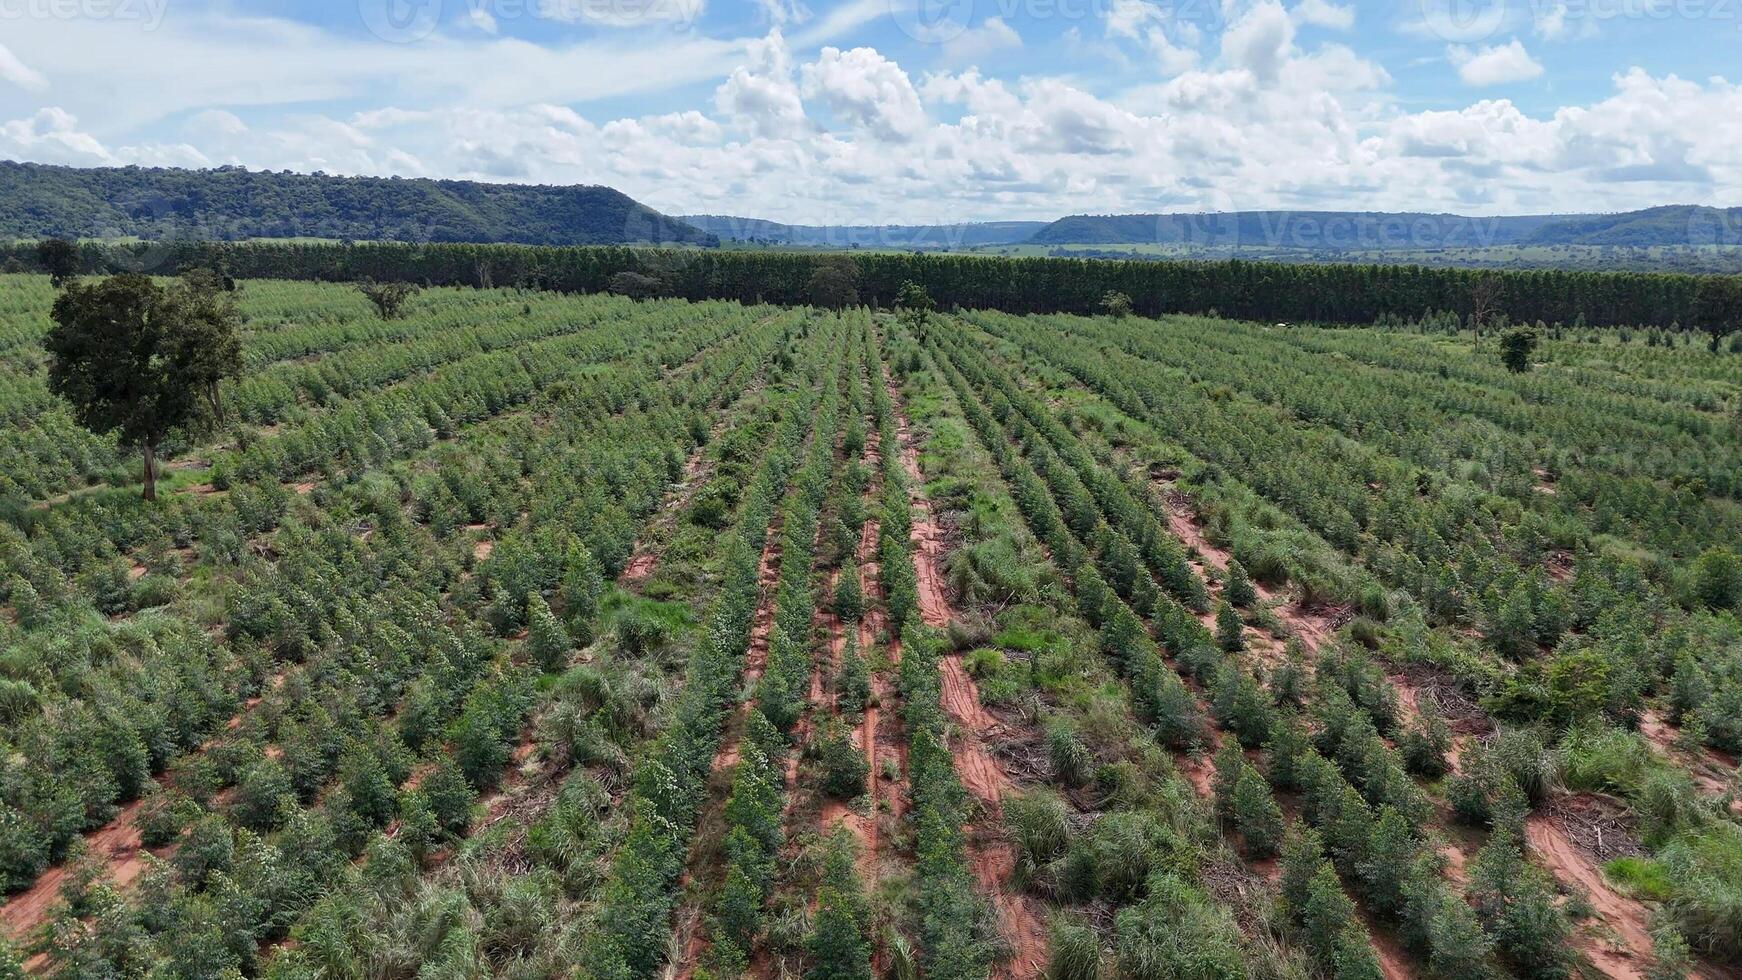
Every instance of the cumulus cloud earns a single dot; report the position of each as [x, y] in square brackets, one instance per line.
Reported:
[1323, 13]
[1259, 41]
[52, 135]
[1496, 64]
[760, 95]
[867, 90]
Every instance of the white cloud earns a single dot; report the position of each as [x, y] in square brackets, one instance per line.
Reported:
[52, 135]
[215, 122]
[1494, 65]
[781, 12]
[1260, 41]
[1170, 41]
[18, 73]
[760, 94]
[977, 43]
[868, 90]
[797, 133]
[622, 13]
[1128, 18]
[685, 127]
[1324, 13]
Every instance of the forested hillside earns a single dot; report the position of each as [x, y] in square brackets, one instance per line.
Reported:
[1319, 230]
[1653, 226]
[230, 203]
[1366, 231]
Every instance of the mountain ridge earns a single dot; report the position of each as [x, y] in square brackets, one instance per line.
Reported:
[234, 203]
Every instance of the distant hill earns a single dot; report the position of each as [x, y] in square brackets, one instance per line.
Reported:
[941, 236]
[1672, 225]
[1315, 230]
[1365, 231]
[231, 203]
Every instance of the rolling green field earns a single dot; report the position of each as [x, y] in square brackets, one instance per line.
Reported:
[534, 635]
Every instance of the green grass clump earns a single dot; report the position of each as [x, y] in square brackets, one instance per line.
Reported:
[1640, 877]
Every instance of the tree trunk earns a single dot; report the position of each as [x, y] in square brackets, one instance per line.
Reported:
[150, 472]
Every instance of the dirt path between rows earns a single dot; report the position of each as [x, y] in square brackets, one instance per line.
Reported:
[117, 844]
[697, 468]
[687, 933]
[1314, 629]
[990, 854]
[877, 741]
[1556, 852]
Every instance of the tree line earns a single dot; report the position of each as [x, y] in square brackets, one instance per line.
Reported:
[1266, 291]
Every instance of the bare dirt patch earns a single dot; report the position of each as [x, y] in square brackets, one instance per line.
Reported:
[1552, 840]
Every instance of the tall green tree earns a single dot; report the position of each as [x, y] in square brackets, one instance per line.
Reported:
[834, 283]
[59, 258]
[140, 361]
[915, 304]
[1516, 346]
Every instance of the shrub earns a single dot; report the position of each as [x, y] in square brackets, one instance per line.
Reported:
[1425, 744]
[1070, 758]
[1717, 578]
[1256, 815]
[853, 680]
[450, 798]
[1230, 633]
[849, 601]
[844, 768]
[547, 642]
[1075, 952]
[1239, 590]
[837, 946]
[262, 794]
[1039, 824]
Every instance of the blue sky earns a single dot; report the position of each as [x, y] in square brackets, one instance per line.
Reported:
[853, 111]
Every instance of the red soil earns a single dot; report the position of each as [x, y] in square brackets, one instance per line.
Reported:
[117, 844]
[1712, 771]
[991, 858]
[638, 568]
[642, 562]
[1314, 627]
[1626, 917]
